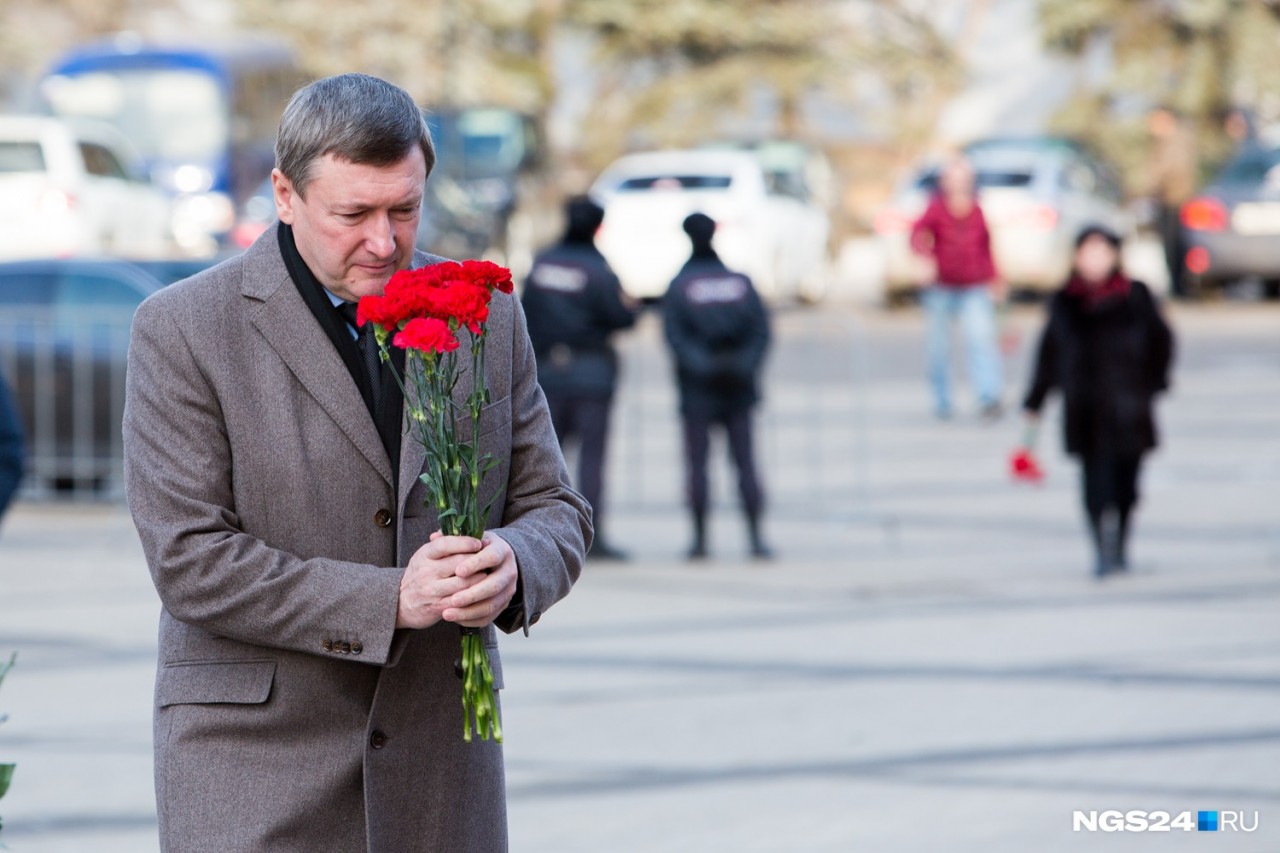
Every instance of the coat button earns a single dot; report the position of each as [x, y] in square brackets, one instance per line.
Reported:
[382, 518]
[377, 739]
[328, 645]
[346, 648]
[356, 648]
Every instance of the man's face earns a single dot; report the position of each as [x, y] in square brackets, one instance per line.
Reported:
[358, 223]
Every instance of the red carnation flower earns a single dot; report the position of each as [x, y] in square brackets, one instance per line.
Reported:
[465, 303]
[1024, 466]
[489, 275]
[374, 309]
[427, 334]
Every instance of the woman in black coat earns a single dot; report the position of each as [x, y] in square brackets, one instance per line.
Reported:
[1108, 350]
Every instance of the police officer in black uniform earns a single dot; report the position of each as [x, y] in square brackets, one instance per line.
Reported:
[718, 331]
[574, 304]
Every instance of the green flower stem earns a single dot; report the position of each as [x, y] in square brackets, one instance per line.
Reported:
[479, 702]
[453, 474]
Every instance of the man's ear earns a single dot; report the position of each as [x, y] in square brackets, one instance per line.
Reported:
[285, 196]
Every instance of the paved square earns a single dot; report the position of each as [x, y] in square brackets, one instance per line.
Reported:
[927, 666]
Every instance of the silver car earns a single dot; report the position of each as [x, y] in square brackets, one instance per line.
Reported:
[1037, 193]
[1232, 228]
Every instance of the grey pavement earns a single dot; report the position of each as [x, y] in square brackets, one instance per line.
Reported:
[927, 666]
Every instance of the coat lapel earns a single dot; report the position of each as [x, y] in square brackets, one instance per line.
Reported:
[289, 328]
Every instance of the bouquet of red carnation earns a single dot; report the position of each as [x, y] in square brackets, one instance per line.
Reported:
[425, 312]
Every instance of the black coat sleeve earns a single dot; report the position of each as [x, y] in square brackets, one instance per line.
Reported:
[693, 356]
[1045, 375]
[1161, 346]
[608, 308]
[746, 359]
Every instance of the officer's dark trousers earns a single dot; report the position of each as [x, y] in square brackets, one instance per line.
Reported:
[584, 418]
[697, 443]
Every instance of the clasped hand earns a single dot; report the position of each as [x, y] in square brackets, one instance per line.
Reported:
[457, 579]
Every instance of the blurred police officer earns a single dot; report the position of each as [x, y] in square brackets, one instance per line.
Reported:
[574, 304]
[718, 332]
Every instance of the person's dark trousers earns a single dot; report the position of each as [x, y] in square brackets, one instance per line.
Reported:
[1169, 221]
[584, 419]
[697, 444]
[1110, 484]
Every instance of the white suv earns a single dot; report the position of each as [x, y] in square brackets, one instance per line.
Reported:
[73, 189]
[767, 230]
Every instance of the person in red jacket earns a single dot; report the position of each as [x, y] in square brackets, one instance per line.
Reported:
[953, 233]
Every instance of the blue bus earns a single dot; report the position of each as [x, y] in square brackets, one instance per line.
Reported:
[202, 117]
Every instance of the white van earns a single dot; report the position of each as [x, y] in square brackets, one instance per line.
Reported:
[75, 189]
[776, 236]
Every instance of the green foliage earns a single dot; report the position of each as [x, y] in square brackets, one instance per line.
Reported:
[444, 52]
[6, 770]
[1202, 57]
[674, 72]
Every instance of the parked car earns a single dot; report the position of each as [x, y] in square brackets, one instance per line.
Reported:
[64, 337]
[1037, 193]
[1232, 228]
[765, 228]
[488, 195]
[75, 188]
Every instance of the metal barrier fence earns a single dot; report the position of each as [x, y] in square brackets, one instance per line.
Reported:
[66, 375]
[811, 438]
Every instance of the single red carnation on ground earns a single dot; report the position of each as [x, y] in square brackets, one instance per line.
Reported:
[427, 334]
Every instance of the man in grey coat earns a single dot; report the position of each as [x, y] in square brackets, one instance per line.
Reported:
[306, 695]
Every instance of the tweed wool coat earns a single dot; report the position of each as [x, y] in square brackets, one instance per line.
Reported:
[290, 714]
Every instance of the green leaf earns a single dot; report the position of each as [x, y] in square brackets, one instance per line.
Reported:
[6, 775]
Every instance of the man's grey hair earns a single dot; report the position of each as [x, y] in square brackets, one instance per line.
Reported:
[354, 117]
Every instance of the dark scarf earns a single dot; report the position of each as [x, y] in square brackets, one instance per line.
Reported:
[1093, 296]
[387, 418]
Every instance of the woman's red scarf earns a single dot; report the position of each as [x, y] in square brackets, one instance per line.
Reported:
[1093, 295]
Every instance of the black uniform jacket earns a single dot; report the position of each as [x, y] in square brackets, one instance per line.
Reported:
[573, 304]
[718, 331]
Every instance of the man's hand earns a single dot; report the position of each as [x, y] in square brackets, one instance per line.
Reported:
[491, 577]
[457, 579]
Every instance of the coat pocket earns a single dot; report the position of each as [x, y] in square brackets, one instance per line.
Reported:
[233, 682]
[495, 664]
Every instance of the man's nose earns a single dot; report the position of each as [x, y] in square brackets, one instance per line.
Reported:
[379, 236]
